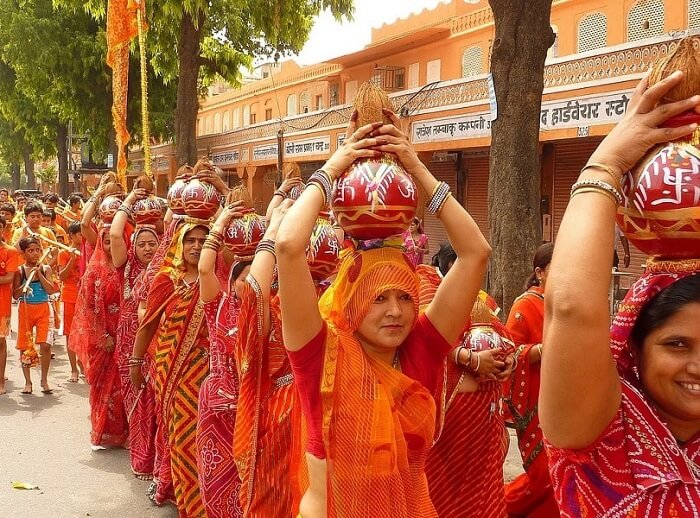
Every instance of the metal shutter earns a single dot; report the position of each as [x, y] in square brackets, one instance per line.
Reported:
[569, 158]
[477, 203]
[446, 172]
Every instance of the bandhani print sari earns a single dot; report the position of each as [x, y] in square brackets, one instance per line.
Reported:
[138, 402]
[96, 317]
[218, 476]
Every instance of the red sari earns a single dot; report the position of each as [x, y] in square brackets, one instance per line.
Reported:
[96, 317]
[219, 482]
[470, 433]
[531, 493]
[263, 433]
[636, 467]
[139, 403]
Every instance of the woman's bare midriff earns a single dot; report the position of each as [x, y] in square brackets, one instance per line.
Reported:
[469, 384]
[314, 502]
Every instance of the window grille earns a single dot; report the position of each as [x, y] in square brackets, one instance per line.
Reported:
[645, 20]
[236, 122]
[592, 32]
[694, 14]
[471, 62]
[389, 78]
[304, 102]
[291, 105]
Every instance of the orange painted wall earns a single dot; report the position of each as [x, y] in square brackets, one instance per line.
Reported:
[566, 15]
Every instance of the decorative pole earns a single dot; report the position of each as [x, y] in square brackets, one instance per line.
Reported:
[145, 123]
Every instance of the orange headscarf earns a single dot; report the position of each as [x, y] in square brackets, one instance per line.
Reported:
[363, 275]
[378, 423]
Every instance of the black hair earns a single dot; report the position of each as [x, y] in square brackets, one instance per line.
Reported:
[238, 268]
[25, 242]
[50, 213]
[3, 189]
[33, 206]
[8, 207]
[74, 198]
[543, 256]
[664, 305]
[74, 228]
[444, 258]
[52, 197]
[2, 222]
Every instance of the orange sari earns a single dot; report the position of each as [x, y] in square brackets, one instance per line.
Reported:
[531, 493]
[262, 440]
[377, 423]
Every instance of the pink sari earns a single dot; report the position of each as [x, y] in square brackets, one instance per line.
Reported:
[139, 403]
[218, 397]
[96, 317]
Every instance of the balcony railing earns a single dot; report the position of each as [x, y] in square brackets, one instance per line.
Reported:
[603, 65]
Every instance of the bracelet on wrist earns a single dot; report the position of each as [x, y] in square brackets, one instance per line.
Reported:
[266, 245]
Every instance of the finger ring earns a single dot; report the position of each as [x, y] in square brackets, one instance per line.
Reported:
[143, 385]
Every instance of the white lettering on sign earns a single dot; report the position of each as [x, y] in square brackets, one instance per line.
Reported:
[311, 146]
[567, 113]
[228, 157]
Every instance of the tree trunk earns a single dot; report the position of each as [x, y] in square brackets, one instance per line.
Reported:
[62, 155]
[523, 35]
[187, 100]
[29, 167]
[16, 174]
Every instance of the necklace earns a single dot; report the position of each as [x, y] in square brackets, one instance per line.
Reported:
[396, 364]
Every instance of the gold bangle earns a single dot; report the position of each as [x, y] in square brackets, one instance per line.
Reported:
[605, 169]
[591, 188]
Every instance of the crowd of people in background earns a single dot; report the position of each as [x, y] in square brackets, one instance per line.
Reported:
[267, 384]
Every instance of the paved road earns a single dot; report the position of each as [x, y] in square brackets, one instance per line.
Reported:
[45, 441]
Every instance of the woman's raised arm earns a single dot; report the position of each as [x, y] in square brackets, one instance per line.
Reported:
[450, 309]
[209, 286]
[580, 391]
[301, 320]
[120, 249]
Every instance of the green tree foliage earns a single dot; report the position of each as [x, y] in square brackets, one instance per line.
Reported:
[192, 42]
[52, 71]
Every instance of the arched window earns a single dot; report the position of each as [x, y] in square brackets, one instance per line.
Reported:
[472, 62]
[304, 102]
[236, 123]
[291, 105]
[225, 121]
[645, 20]
[217, 123]
[694, 14]
[592, 32]
[553, 51]
[208, 130]
[246, 115]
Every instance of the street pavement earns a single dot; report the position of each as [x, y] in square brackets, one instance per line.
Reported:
[45, 441]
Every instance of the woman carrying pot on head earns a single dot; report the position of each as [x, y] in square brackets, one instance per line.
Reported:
[620, 406]
[365, 361]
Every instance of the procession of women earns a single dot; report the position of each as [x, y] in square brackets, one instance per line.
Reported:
[323, 358]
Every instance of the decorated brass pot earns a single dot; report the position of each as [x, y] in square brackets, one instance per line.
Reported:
[375, 198]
